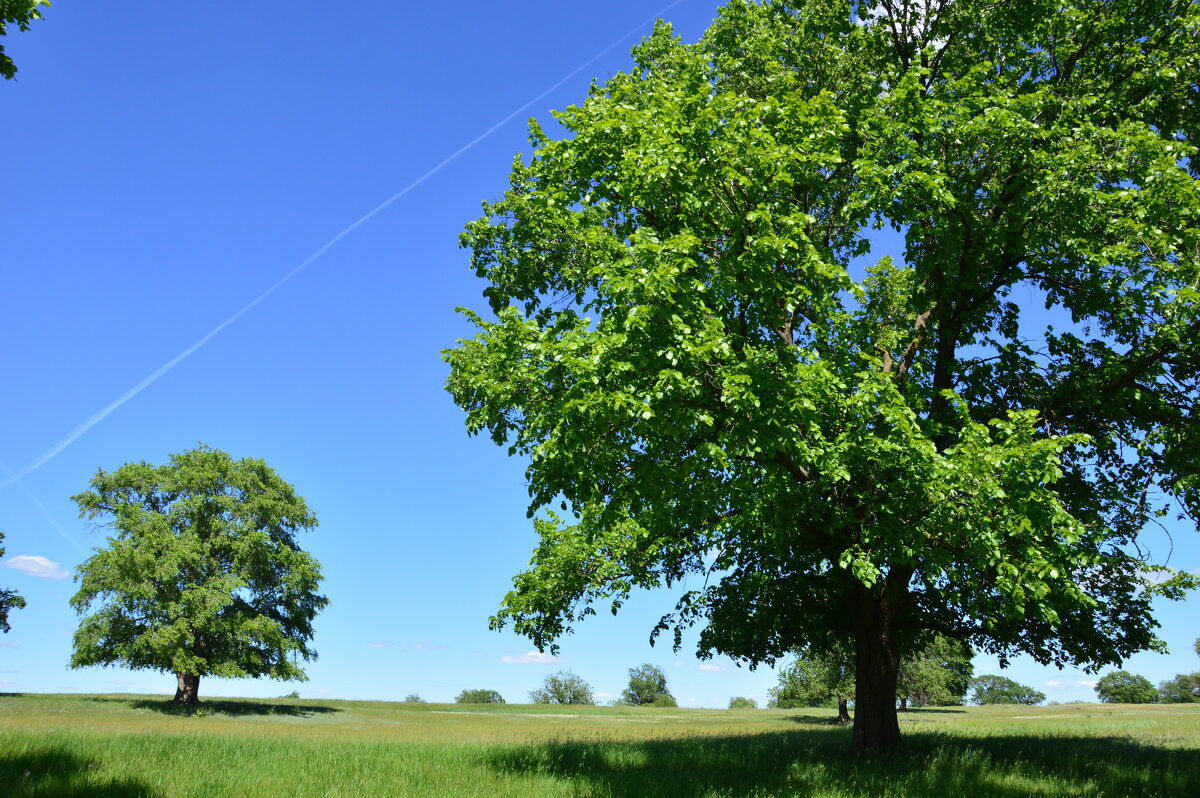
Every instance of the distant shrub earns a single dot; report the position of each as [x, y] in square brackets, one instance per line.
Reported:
[738, 702]
[413, 698]
[479, 697]
[293, 694]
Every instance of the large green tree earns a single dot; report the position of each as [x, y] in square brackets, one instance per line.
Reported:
[937, 673]
[19, 13]
[688, 350]
[202, 574]
[647, 687]
[1002, 690]
[563, 687]
[816, 679]
[1123, 687]
[9, 599]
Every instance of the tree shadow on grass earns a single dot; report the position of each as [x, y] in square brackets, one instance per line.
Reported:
[55, 773]
[232, 708]
[814, 762]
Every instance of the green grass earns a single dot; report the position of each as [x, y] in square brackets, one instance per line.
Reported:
[137, 746]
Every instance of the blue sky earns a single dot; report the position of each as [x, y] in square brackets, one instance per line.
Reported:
[166, 167]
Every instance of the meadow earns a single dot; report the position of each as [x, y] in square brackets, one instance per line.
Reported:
[131, 746]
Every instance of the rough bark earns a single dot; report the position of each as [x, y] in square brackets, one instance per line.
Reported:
[843, 711]
[877, 665]
[187, 690]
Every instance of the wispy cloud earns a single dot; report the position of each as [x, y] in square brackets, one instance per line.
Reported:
[532, 658]
[679, 663]
[1053, 683]
[35, 565]
[1088, 683]
[385, 644]
[724, 665]
[425, 645]
[602, 696]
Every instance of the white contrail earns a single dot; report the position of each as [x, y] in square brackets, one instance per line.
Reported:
[45, 513]
[79, 431]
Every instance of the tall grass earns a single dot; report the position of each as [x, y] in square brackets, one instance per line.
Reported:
[139, 747]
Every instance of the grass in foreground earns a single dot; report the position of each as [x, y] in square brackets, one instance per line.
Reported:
[136, 746]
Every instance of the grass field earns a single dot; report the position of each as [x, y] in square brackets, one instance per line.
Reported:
[138, 746]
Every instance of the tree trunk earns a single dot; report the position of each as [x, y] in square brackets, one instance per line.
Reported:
[904, 705]
[188, 689]
[843, 711]
[877, 665]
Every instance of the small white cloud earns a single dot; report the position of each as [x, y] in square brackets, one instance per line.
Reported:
[1053, 683]
[384, 644]
[678, 663]
[34, 565]
[708, 666]
[165, 691]
[602, 696]
[1088, 683]
[531, 658]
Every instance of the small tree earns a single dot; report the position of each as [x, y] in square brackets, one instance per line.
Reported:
[479, 697]
[938, 674]
[1002, 690]
[9, 599]
[1123, 687]
[816, 680]
[202, 575]
[413, 698]
[740, 702]
[647, 687]
[563, 687]
[1183, 689]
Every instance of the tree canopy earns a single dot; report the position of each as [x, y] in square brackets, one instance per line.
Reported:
[968, 440]
[816, 679]
[1123, 687]
[19, 13]
[9, 599]
[479, 697]
[202, 574]
[1002, 690]
[647, 687]
[936, 674]
[563, 687]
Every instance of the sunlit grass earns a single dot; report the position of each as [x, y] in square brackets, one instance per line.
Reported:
[139, 746]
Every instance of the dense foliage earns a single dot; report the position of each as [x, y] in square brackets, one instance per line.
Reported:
[1123, 687]
[647, 687]
[202, 574]
[9, 599]
[479, 697]
[1002, 690]
[816, 679]
[1184, 688]
[935, 674]
[563, 687]
[741, 702]
[19, 13]
[967, 441]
